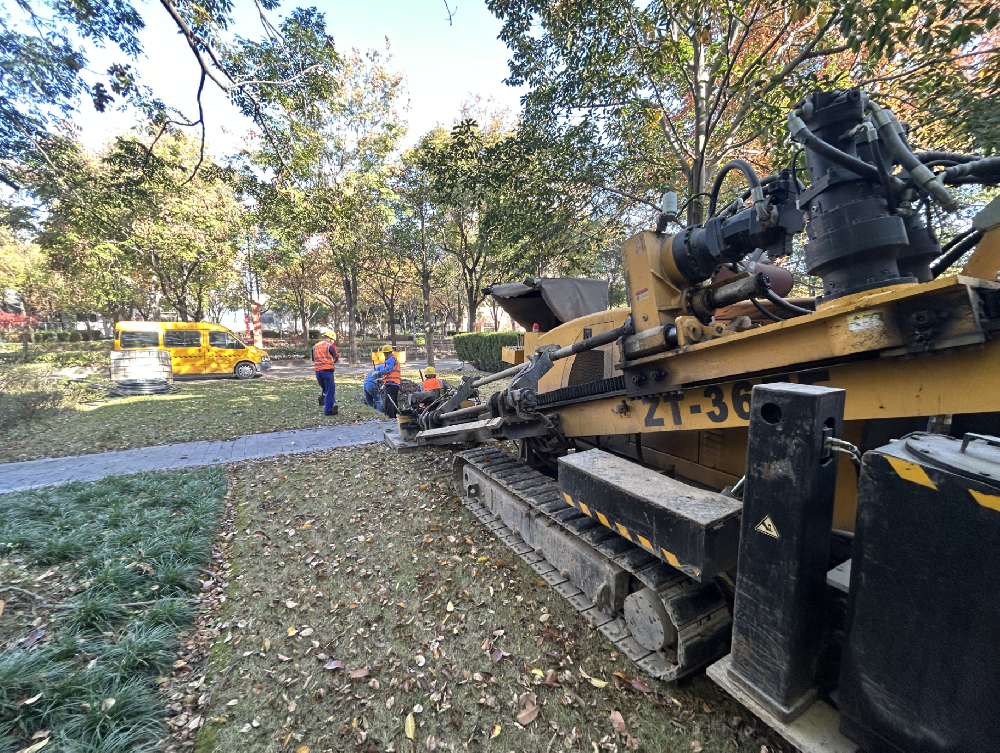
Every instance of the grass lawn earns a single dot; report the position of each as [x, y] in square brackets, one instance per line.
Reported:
[369, 609]
[217, 409]
[96, 581]
[210, 409]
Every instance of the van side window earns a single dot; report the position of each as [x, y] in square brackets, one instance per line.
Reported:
[179, 338]
[131, 339]
[224, 340]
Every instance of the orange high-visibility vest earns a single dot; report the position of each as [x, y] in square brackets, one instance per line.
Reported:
[324, 354]
[393, 376]
[433, 383]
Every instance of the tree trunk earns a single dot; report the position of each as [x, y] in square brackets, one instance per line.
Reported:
[391, 309]
[702, 98]
[350, 288]
[425, 286]
[303, 317]
[26, 334]
[470, 294]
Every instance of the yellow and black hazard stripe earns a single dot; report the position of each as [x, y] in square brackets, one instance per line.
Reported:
[632, 536]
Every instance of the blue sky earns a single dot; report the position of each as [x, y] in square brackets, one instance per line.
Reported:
[444, 64]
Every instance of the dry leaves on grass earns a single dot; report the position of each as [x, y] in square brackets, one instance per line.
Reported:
[424, 627]
[618, 722]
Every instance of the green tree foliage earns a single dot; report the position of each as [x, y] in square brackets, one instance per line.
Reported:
[641, 98]
[330, 193]
[44, 58]
[139, 227]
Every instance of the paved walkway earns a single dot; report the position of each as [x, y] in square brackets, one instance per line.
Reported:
[53, 471]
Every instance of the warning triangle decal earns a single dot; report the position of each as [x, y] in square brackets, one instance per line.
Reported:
[767, 526]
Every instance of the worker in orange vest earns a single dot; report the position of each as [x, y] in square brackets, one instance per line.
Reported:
[325, 356]
[431, 382]
[391, 377]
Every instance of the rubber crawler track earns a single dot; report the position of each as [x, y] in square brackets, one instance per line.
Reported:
[698, 610]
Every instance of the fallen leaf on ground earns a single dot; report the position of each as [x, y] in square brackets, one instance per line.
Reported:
[495, 731]
[618, 722]
[696, 746]
[335, 664]
[641, 686]
[302, 749]
[360, 673]
[410, 727]
[527, 715]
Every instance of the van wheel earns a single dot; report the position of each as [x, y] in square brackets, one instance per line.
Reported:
[245, 370]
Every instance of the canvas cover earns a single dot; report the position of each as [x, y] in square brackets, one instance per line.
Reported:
[550, 301]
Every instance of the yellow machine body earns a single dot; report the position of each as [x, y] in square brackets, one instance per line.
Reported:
[697, 427]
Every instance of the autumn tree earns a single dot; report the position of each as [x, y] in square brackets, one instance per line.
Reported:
[642, 98]
[25, 270]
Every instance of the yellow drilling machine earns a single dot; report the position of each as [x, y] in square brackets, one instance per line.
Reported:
[802, 495]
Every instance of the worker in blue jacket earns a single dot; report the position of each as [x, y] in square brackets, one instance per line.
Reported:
[372, 396]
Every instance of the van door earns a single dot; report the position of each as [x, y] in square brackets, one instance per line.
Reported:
[187, 356]
[224, 352]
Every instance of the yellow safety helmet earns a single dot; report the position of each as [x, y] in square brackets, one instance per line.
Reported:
[429, 371]
[329, 333]
[387, 349]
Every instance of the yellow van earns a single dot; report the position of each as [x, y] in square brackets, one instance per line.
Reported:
[195, 347]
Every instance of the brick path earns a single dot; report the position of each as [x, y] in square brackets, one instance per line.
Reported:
[52, 471]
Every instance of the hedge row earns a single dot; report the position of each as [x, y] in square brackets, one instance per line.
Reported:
[484, 349]
[71, 336]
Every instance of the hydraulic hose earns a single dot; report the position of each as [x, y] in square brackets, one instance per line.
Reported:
[889, 129]
[975, 169]
[780, 302]
[927, 157]
[765, 312]
[133, 387]
[756, 189]
[800, 132]
[962, 245]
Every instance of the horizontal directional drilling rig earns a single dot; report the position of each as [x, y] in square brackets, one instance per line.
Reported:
[680, 473]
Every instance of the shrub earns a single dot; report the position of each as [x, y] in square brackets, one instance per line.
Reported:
[44, 336]
[63, 337]
[75, 336]
[484, 349]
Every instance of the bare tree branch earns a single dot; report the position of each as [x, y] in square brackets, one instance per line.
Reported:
[451, 13]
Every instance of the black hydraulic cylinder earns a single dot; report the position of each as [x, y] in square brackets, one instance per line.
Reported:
[779, 616]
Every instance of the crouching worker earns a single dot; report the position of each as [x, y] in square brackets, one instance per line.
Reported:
[325, 357]
[431, 382]
[391, 377]
[372, 396]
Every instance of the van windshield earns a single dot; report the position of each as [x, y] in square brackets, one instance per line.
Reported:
[132, 339]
